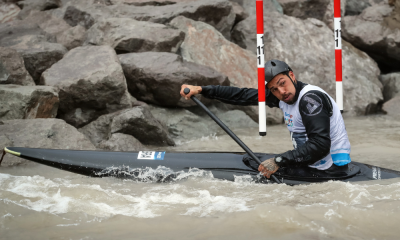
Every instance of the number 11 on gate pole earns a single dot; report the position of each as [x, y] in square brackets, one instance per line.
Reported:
[262, 115]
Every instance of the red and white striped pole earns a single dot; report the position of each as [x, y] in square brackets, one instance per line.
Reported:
[338, 54]
[262, 115]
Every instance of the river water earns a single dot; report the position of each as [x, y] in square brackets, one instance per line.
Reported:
[39, 202]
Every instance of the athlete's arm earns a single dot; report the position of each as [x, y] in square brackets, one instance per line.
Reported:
[317, 123]
[238, 96]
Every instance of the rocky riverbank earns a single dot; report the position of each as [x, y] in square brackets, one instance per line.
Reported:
[106, 74]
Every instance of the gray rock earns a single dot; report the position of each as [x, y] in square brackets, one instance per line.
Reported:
[4, 73]
[90, 82]
[391, 85]
[85, 13]
[319, 9]
[218, 13]
[128, 35]
[99, 130]
[8, 12]
[269, 6]
[185, 125]
[377, 32]
[355, 7]
[13, 66]
[391, 107]
[244, 34]
[157, 77]
[310, 53]
[148, 2]
[140, 123]
[137, 122]
[47, 21]
[122, 143]
[37, 47]
[27, 102]
[72, 37]
[226, 57]
[40, 133]
[239, 11]
[36, 5]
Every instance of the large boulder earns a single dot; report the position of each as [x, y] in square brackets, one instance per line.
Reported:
[27, 102]
[391, 85]
[206, 46]
[36, 5]
[8, 12]
[137, 122]
[250, 6]
[391, 107]
[140, 123]
[185, 125]
[85, 13]
[127, 35]
[355, 7]
[319, 9]
[148, 2]
[72, 37]
[377, 32]
[55, 25]
[239, 11]
[361, 96]
[47, 21]
[310, 53]
[157, 77]
[218, 13]
[40, 133]
[90, 82]
[37, 47]
[122, 143]
[12, 65]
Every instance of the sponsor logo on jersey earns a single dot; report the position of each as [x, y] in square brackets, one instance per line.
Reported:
[288, 119]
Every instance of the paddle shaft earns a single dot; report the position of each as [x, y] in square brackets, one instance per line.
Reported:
[227, 130]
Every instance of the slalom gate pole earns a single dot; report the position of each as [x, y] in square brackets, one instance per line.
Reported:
[338, 53]
[227, 130]
[262, 115]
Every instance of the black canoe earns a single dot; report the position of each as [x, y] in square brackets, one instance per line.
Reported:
[222, 165]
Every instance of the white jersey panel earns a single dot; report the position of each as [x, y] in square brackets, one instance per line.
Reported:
[340, 144]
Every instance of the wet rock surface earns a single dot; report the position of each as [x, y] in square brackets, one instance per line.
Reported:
[12, 68]
[391, 107]
[204, 45]
[137, 122]
[38, 48]
[314, 63]
[8, 12]
[127, 35]
[27, 102]
[391, 85]
[157, 77]
[40, 133]
[376, 31]
[90, 82]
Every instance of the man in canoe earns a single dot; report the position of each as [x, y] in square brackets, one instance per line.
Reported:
[312, 117]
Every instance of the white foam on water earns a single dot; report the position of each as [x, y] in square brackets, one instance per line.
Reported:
[211, 204]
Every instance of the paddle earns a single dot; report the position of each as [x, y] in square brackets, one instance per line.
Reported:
[227, 130]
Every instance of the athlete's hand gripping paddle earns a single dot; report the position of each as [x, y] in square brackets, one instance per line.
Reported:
[227, 130]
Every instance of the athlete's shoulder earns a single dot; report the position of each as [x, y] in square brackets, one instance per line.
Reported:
[312, 103]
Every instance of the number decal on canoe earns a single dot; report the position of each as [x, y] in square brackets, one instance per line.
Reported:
[151, 155]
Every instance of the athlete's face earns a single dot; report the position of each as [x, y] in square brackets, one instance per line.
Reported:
[282, 87]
